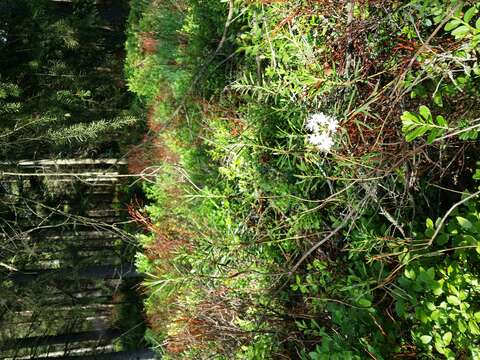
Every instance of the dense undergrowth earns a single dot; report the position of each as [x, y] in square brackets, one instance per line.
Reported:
[269, 236]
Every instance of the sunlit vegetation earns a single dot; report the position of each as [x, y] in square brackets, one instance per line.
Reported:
[313, 182]
[304, 179]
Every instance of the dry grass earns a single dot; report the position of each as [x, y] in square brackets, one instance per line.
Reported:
[211, 321]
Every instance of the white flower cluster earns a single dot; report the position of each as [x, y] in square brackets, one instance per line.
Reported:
[322, 128]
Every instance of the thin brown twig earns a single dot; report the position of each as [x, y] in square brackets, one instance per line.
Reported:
[321, 242]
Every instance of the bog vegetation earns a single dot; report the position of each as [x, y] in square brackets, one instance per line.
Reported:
[317, 192]
[309, 177]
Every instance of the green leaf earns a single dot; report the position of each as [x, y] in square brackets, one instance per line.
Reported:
[425, 339]
[442, 239]
[414, 126]
[431, 273]
[438, 100]
[408, 117]
[464, 223]
[429, 223]
[364, 303]
[422, 315]
[419, 131]
[452, 289]
[477, 24]
[476, 176]
[452, 24]
[461, 32]
[434, 134]
[449, 354]
[438, 288]
[441, 121]
[473, 326]
[410, 274]
[453, 300]
[469, 240]
[476, 68]
[458, 12]
[439, 346]
[474, 44]
[429, 232]
[469, 14]
[425, 113]
[447, 338]
[435, 315]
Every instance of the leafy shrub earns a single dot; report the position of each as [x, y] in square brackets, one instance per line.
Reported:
[439, 296]
[306, 253]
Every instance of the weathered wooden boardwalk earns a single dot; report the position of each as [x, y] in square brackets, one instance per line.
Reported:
[64, 260]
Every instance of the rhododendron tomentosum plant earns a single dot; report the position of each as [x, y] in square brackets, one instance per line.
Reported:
[322, 128]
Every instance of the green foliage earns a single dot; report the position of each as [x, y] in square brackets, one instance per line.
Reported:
[9, 94]
[60, 73]
[128, 317]
[303, 251]
[84, 132]
[463, 27]
[415, 126]
[439, 298]
[348, 297]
